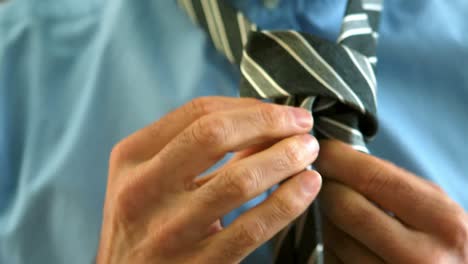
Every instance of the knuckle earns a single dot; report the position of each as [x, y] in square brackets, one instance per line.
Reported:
[360, 216]
[286, 207]
[242, 182]
[377, 179]
[294, 152]
[128, 195]
[232, 249]
[120, 153]
[123, 205]
[280, 163]
[274, 117]
[247, 236]
[344, 209]
[210, 130]
[457, 236]
[166, 235]
[251, 234]
[202, 105]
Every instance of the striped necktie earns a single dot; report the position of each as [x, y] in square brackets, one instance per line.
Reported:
[335, 81]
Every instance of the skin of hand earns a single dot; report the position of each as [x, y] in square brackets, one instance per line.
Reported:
[359, 191]
[157, 210]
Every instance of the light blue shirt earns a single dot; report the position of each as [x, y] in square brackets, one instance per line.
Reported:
[78, 76]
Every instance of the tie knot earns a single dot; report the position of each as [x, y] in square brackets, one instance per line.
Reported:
[283, 64]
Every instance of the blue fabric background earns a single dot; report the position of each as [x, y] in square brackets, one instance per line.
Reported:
[78, 76]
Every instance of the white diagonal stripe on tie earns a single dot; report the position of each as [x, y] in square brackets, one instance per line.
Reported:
[188, 7]
[242, 27]
[211, 25]
[355, 17]
[259, 75]
[221, 30]
[362, 67]
[372, 5]
[354, 32]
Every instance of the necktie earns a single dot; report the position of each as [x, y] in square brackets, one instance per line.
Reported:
[335, 81]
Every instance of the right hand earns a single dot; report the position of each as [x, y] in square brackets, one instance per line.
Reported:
[158, 211]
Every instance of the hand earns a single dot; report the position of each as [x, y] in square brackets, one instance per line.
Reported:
[156, 211]
[425, 225]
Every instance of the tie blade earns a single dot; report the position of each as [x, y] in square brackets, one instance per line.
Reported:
[359, 29]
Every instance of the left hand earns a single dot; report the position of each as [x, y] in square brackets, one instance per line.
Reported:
[359, 191]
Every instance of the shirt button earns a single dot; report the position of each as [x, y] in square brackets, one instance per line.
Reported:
[271, 3]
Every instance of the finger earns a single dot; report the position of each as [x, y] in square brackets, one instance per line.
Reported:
[346, 248]
[209, 138]
[364, 222]
[252, 176]
[392, 188]
[262, 222]
[252, 150]
[148, 141]
[238, 156]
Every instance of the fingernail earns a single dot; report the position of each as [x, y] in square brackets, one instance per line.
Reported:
[303, 117]
[310, 182]
[311, 143]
